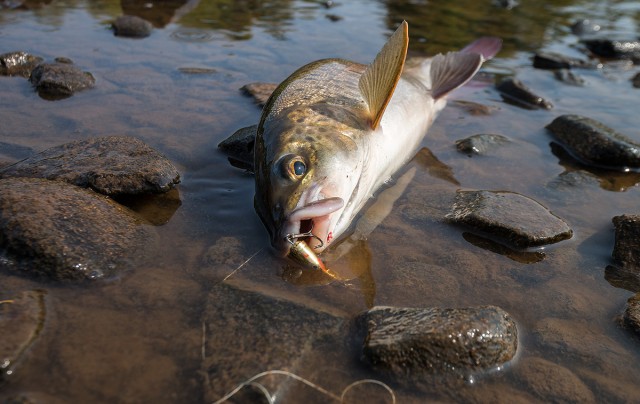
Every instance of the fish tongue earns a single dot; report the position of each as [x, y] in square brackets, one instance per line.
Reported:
[312, 210]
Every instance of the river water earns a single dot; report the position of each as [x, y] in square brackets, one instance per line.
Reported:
[142, 337]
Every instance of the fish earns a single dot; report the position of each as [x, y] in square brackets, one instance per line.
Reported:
[335, 131]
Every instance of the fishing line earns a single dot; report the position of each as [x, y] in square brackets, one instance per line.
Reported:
[271, 399]
[243, 264]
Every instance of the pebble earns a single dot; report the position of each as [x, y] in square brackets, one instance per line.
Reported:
[55, 81]
[515, 92]
[111, 165]
[481, 143]
[594, 143]
[569, 77]
[551, 60]
[18, 63]
[259, 91]
[509, 216]
[132, 27]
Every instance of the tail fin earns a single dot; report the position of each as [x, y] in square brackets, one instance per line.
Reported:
[454, 69]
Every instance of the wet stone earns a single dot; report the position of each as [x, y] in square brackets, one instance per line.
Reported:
[585, 27]
[509, 216]
[21, 320]
[417, 341]
[568, 77]
[553, 383]
[623, 278]
[60, 80]
[631, 317]
[550, 60]
[626, 250]
[636, 80]
[18, 63]
[248, 333]
[614, 49]
[239, 147]
[111, 165]
[64, 232]
[132, 27]
[515, 92]
[594, 143]
[259, 91]
[481, 143]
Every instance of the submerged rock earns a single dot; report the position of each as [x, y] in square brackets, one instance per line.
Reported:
[132, 26]
[111, 165]
[622, 277]
[626, 250]
[594, 143]
[415, 341]
[21, 320]
[60, 80]
[614, 49]
[509, 216]
[553, 383]
[585, 27]
[550, 60]
[515, 92]
[259, 91]
[636, 80]
[18, 63]
[568, 77]
[631, 317]
[62, 231]
[246, 333]
[481, 143]
[239, 147]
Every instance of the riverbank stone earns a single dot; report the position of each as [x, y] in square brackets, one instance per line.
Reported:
[594, 143]
[517, 93]
[510, 217]
[626, 250]
[18, 63]
[55, 81]
[481, 143]
[414, 341]
[132, 26]
[111, 165]
[22, 317]
[64, 232]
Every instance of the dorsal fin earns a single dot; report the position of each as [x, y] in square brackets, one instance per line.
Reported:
[452, 70]
[381, 77]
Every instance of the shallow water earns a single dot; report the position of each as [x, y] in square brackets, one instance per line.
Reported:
[144, 337]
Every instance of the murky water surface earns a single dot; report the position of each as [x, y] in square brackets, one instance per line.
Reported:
[148, 337]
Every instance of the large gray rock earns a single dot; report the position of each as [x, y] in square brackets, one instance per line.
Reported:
[54, 229]
[111, 165]
[626, 250]
[18, 63]
[414, 341]
[509, 216]
[594, 143]
[21, 320]
[60, 80]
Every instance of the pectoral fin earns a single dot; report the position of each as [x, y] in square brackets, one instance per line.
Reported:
[379, 80]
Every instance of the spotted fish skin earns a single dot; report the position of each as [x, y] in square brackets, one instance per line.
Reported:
[334, 131]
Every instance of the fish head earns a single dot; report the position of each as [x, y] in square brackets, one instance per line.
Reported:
[305, 176]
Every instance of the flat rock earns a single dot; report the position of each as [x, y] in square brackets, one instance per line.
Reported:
[631, 317]
[58, 230]
[594, 143]
[415, 341]
[239, 147]
[614, 48]
[21, 320]
[626, 250]
[18, 63]
[551, 60]
[553, 383]
[111, 165]
[60, 80]
[259, 91]
[509, 216]
[247, 333]
[132, 26]
[517, 93]
[481, 143]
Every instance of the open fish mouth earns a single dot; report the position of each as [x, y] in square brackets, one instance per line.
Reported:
[311, 224]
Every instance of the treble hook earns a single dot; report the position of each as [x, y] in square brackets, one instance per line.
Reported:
[290, 237]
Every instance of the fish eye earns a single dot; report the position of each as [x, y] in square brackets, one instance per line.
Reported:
[296, 168]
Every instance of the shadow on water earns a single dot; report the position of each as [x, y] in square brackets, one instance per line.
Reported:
[212, 307]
